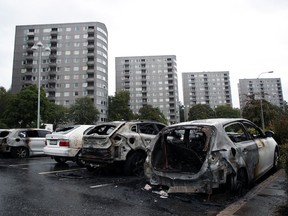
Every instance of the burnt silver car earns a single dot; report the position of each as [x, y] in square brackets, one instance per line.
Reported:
[119, 142]
[201, 155]
[24, 142]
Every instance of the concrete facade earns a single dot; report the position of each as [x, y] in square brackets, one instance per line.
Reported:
[75, 66]
[211, 88]
[269, 89]
[150, 80]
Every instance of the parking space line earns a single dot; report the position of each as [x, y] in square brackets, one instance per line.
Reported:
[59, 171]
[98, 186]
[14, 165]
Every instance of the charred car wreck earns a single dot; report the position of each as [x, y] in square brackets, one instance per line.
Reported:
[199, 156]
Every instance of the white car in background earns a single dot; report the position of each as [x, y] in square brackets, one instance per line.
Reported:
[65, 144]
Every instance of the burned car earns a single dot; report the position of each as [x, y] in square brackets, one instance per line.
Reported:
[24, 142]
[119, 142]
[202, 155]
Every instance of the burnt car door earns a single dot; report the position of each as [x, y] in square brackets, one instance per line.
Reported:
[246, 147]
[147, 132]
[266, 151]
[36, 140]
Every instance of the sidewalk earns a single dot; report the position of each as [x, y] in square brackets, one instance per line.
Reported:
[264, 199]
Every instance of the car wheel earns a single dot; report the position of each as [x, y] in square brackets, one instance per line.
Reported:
[134, 164]
[276, 160]
[20, 152]
[241, 182]
[60, 159]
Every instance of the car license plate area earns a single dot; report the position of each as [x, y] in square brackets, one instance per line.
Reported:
[53, 142]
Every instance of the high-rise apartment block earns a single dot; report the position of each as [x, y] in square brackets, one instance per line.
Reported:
[150, 80]
[269, 89]
[75, 66]
[211, 88]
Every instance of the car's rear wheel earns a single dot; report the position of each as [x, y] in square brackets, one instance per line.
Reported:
[20, 152]
[60, 159]
[134, 164]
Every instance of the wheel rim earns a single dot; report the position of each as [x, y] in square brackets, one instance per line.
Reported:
[21, 153]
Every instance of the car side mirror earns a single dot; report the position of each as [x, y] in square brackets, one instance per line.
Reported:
[269, 133]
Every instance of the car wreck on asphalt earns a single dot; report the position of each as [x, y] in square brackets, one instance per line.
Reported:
[202, 155]
[119, 143]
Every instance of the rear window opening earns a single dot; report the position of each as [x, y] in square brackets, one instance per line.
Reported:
[102, 130]
[181, 149]
[4, 133]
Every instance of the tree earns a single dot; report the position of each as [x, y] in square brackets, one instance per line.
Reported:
[200, 111]
[118, 107]
[83, 111]
[226, 111]
[56, 114]
[5, 98]
[148, 112]
[22, 108]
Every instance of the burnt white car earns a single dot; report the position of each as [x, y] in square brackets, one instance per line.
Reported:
[119, 142]
[201, 155]
[22, 143]
[65, 143]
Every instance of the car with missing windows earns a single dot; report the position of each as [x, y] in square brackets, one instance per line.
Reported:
[23, 142]
[202, 155]
[121, 143]
[65, 143]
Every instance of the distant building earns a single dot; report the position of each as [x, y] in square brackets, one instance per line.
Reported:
[269, 89]
[150, 80]
[75, 66]
[211, 88]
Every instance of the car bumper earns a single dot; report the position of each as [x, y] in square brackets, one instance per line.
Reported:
[62, 152]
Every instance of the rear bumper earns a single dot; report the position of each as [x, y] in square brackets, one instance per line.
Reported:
[62, 152]
[96, 156]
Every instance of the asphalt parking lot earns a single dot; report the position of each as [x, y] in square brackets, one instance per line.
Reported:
[40, 186]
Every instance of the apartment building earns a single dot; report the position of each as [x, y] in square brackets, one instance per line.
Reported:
[150, 80]
[211, 88]
[75, 65]
[269, 89]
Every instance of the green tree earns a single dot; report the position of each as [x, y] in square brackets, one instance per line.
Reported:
[200, 111]
[83, 111]
[22, 108]
[148, 112]
[226, 111]
[56, 114]
[118, 107]
[5, 98]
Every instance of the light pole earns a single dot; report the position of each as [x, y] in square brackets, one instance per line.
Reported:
[261, 106]
[38, 47]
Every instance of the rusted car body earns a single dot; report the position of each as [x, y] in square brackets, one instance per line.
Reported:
[201, 155]
[22, 142]
[119, 141]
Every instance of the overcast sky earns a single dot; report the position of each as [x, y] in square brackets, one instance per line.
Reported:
[244, 37]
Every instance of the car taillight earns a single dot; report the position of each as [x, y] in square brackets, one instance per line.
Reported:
[64, 143]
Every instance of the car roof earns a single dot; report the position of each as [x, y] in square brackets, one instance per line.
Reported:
[211, 122]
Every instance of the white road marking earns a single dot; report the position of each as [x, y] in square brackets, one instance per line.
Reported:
[59, 171]
[98, 186]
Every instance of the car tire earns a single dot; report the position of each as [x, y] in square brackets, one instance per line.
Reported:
[134, 164]
[79, 162]
[60, 159]
[20, 152]
[241, 182]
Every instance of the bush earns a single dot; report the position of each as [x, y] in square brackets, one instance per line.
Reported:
[284, 156]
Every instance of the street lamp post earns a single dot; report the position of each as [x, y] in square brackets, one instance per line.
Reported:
[38, 47]
[261, 106]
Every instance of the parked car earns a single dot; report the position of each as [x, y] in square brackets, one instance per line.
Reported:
[65, 144]
[22, 142]
[119, 142]
[201, 155]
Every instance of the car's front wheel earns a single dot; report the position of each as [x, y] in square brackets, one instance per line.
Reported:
[276, 160]
[20, 152]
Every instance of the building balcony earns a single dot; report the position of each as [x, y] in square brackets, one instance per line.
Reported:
[30, 42]
[29, 57]
[90, 79]
[29, 66]
[90, 63]
[90, 54]
[90, 71]
[90, 38]
[53, 32]
[53, 64]
[91, 30]
[53, 40]
[52, 81]
[53, 48]
[90, 46]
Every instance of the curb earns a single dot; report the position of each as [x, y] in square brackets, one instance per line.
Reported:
[234, 207]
